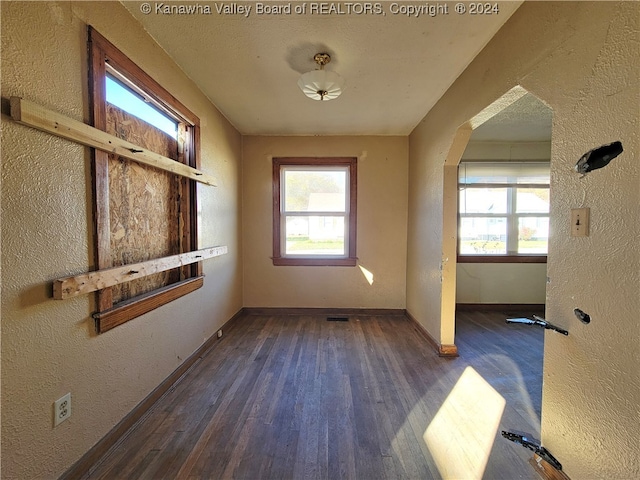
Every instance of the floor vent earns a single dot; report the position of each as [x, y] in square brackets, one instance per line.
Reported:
[337, 319]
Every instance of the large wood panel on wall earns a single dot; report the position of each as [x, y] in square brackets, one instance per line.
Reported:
[143, 204]
[141, 214]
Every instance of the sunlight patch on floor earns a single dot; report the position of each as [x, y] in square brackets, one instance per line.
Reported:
[461, 435]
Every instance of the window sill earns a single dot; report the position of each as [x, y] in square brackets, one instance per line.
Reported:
[136, 306]
[315, 262]
[502, 259]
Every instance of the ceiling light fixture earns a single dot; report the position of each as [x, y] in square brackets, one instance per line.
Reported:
[321, 84]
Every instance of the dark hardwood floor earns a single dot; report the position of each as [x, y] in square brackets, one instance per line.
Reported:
[297, 397]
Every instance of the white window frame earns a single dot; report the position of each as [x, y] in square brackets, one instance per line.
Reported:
[511, 184]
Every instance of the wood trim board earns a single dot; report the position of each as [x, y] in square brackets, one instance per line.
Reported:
[35, 116]
[502, 307]
[134, 307]
[443, 350]
[68, 287]
[100, 163]
[283, 311]
[546, 470]
[501, 259]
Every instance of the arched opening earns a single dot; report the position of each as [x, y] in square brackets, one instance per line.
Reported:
[515, 129]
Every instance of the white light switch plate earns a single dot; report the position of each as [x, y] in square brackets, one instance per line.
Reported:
[579, 222]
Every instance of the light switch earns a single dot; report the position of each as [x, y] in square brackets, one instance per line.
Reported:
[579, 222]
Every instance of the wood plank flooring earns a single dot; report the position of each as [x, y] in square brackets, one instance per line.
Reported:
[300, 397]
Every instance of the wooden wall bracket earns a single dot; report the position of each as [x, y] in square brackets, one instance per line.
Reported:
[69, 287]
[40, 118]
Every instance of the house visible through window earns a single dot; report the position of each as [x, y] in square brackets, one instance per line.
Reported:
[314, 211]
[503, 209]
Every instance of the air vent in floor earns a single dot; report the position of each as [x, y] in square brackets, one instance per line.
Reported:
[337, 319]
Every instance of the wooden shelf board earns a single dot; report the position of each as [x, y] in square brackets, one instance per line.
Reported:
[68, 287]
[38, 117]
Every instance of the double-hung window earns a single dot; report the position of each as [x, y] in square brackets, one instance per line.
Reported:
[503, 211]
[314, 211]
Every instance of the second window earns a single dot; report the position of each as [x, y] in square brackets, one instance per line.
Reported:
[314, 211]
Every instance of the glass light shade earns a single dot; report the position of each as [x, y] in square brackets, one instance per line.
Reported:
[321, 84]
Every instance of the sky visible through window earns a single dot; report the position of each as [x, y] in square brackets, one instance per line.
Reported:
[126, 100]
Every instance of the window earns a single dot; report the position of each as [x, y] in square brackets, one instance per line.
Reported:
[128, 100]
[503, 211]
[141, 213]
[314, 211]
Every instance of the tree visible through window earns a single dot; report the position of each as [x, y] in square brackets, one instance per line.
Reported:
[314, 211]
[503, 209]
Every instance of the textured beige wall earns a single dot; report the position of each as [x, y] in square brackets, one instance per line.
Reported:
[382, 226]
[49, 347]
[506, 151]
[501, 282]
[581, 58]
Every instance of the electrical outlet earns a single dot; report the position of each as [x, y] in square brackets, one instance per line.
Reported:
[61, 409]
[220, 333]
[579, 222]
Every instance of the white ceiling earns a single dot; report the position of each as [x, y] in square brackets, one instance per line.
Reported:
[396, 67]
[526, 120]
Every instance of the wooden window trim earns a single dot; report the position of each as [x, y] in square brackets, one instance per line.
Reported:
[351, 259]
[103, 53]
[502, 259]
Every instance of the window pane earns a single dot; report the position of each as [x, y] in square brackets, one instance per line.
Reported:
[315, 191]
[483, 236]
[315, 235]
[125, 99]
[483, 200]
[533, 235]
[532, 200]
